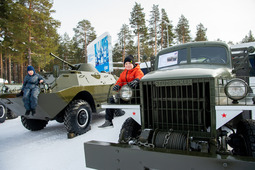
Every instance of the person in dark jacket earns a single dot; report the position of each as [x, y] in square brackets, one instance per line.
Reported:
[31, 90]
[131, 76]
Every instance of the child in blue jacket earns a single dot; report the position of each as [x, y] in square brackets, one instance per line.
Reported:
[31, 90]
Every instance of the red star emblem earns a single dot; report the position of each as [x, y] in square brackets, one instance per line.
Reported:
[133, 113]
[224, 115]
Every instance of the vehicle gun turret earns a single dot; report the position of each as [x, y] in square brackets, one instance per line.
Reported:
[78, 67]
[73, 67]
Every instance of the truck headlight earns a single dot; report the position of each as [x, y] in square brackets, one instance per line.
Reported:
[236, 89]
[126, 93]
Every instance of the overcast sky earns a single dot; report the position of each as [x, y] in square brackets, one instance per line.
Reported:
[228, 20]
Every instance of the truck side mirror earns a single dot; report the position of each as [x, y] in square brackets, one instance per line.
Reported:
[55, 71]
[152, 62]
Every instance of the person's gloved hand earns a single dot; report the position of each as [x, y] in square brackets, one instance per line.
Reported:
[133, 83]
[116, 88]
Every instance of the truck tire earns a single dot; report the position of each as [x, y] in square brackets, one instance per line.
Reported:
[33, 124]
[246, 129]
[78, 116]
[2, 113]
[129, 130]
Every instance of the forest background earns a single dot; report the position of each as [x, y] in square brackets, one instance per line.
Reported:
[28, 33]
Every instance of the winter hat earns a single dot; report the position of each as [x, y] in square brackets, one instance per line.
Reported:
[130, 59]
[30, 68]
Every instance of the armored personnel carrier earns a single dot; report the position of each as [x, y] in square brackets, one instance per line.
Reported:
[70, 98]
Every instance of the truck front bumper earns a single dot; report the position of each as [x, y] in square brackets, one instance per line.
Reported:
[104, 155]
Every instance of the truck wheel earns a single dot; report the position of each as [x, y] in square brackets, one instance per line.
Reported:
[2, 113]
[33, 124]
[78, 117]
[130, 129]
[246, 129]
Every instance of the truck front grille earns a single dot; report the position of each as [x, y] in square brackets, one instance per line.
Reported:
[182, 105]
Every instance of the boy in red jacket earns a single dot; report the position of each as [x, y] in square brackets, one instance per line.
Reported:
[131, 76]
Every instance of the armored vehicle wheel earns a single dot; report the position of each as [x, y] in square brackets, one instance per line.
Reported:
[33, 124]
[78, 117]
[2, 113]
[130, 129]
[246, 129]
[10, 114]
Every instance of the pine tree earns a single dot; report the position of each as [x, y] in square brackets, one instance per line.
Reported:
[117, 57]
[137, 22]
[84, 34]
[201, 33]
[154, 27]
[4, 12]
[13, 42]
[40, 30]
[248, 38]
[145, 48]
[117, 52]
[131, 48]
[29, 33]
[166, 28]
[125, 38]
[65, 49]
[182, 30]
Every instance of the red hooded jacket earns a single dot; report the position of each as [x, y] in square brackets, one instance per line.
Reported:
[129, 75]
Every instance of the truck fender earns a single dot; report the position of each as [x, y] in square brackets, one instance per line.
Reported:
[131, 110]
[226, 113]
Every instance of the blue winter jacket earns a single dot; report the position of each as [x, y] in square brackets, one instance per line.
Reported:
[31, 82]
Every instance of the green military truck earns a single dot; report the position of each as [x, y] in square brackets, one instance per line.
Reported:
[70, 98]
[196, 110]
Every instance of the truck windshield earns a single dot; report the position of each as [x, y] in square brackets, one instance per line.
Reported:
[202, 55]
[211, 55]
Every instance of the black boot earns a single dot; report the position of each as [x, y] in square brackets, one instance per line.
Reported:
[119, 112]
[33, 112]
[27, 112]
[107, 124]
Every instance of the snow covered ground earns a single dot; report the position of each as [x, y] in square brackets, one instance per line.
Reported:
[49, 149]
